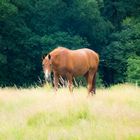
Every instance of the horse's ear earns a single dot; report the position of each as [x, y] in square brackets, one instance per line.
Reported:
[49, 56]
[43, 56]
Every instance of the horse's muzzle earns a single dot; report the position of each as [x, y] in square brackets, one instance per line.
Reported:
[47, 76]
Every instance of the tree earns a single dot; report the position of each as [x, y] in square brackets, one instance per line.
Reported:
[19, 47]
[133, 70]
[65, 39]
[124, 45]
[117, 10]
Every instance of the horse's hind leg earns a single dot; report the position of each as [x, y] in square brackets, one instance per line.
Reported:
[89, 78]
[94, 83]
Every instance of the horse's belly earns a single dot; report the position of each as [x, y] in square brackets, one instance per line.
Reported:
[75, 72]
[79, 69]
[79, 72]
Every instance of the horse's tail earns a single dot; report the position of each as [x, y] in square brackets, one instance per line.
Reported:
[94, 83]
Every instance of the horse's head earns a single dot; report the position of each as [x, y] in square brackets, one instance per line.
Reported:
[46, 63]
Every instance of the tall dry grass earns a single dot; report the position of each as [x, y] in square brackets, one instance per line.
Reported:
[38, 114]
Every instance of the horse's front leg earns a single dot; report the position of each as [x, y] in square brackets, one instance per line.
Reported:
[70, 83]
[56, 81]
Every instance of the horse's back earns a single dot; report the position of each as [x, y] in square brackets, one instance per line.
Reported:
[83, 59]
[87, 55]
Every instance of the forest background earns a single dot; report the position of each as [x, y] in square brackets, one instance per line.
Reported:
[32, 28]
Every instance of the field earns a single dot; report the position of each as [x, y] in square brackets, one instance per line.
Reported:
[38, 114]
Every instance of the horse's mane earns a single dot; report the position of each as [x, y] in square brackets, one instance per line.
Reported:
[59, 49]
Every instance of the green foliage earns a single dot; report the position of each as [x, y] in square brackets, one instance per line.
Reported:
[117, 10]
[133, 70]
[124, 45]
[7, 9]
[99, 81]
[51, 41]
[115, 62]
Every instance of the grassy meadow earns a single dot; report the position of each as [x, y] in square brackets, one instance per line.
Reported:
[39, 114]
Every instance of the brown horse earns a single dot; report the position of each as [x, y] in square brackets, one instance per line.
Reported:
[71, 63]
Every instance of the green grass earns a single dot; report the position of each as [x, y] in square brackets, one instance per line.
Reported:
[38, 114]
